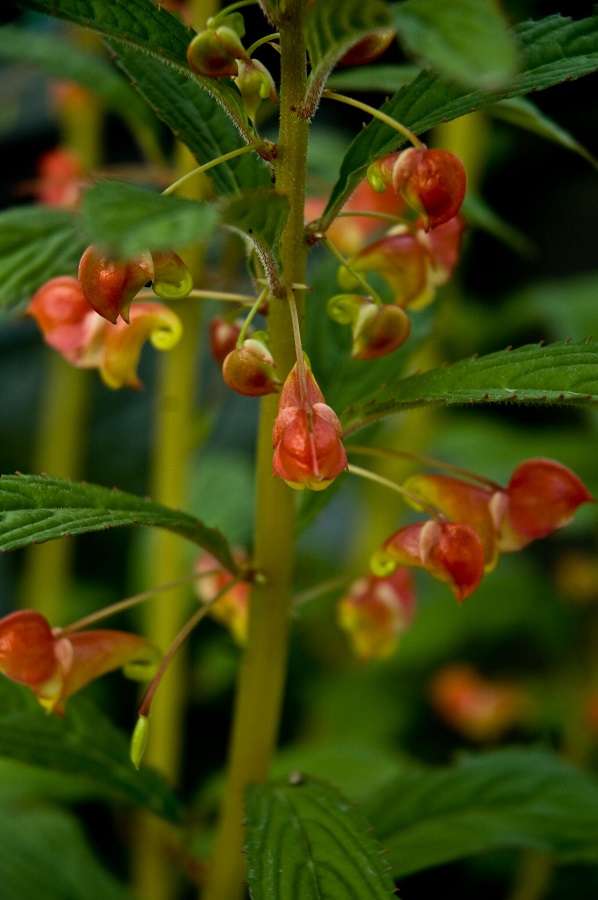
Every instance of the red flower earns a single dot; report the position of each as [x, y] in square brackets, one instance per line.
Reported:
[403, 262]
[450, 551]
[378, 329]
[376, 611]
[308, 450]
[223, 337]
[432, 182]
[250, 370]
[110, 285]
[54, 665]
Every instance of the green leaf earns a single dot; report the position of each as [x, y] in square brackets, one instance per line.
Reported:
[478, 214]
[306, 842]
[465, 40]
[383, 77]
[125, 219]
[83, 744]
[259, 216]
[504, 799]
[141, 27]
[36, 243]
[563, 373]
[44, 853]
[554, 49]
[36, 508]
[331, 29]
[525, 114]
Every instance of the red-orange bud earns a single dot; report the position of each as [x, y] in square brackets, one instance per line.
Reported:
[308, 450]
[432, 182]
[26, 648]
[250, 369]
[369, 48]
[110, 285]
[379, 330]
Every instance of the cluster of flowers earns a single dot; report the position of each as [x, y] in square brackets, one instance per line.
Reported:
[475, 522]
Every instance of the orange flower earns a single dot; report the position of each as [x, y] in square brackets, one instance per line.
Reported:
[480, 709]
[87, 341]
[449, 551]
[376, 611]
[110, 285]
[55, 666]
[432, 183]
[232, 608]
[308, 450]
[403, 262]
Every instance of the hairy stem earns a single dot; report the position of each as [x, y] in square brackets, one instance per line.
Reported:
[262, 675]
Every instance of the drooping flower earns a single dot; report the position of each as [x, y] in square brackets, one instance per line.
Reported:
[376, 611]
[87, 341]
[111, 285]
[249, 369]
[232, 608]
[403, 262]
[480, 709]
[432, 183]
[378, 329]
[55, 665]
[60, 178]
[449, 551]
[308, 450]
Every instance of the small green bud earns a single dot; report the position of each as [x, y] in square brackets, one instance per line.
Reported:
[139, 741]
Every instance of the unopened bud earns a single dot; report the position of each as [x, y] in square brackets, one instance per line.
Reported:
[214, 52]
[249, 369]
[139, 741]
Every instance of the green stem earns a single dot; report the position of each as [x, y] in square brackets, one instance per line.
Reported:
[251, 316]
[372, 294]
[266, 39]
[233, 7]
[377, 114]
[393, 486]
[199, 170]
[262, 675]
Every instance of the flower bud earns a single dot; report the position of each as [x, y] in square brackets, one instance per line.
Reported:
[375, 612]
[449, 551]
[432, 182]
[379, 330]
[231, 609]
[26, 648]
[223, 337]
[308, 450]
[255, 85]
[214, 52]
[369, 48]
[110, 285]
[172, 279]
[250, 369]
[139, 741]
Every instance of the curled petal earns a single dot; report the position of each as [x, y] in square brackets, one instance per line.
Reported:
[449, 551]
[375, 612]
[403, 262]
[110, 285]
[27, 648]
[123, 343]
[172, 278]
[444, 247]
[432, 182]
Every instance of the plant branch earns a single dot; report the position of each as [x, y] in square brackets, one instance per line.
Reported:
[199, 170]
[377, 114]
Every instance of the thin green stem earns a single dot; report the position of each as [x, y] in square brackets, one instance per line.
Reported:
[370, 214]
[386, 453]
[199, 170]
[377, 114]
[393, 486]
[267, 39]
[233, 7]
[225, 296]
[258, 302]
[262, 676]
[372, 294]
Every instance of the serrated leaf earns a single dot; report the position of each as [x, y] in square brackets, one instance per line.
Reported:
[83, 744]
[44, 853]
[37, 508]
[465, 40]
[504, 799]
[478, 214]
[383, 77]
[331, 29]
[306, 842]
[563, 373]
[554, 49]
[64, 59]
[525, 114]
[125, 219]
[36, 243]
[149, 29]
[259, 216]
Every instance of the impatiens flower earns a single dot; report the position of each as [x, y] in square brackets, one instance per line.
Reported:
[432, 183]
[404, 264]
[60, 178]
[55, 665]
[232, 608]
[87, 341]
[449, 551]
[308, 450]
[250, 370]
[214, 52]
[255, 85]
[223, 337]
[443, 245]
[376, 611]
[110, 285]
[480, 709]
[378, 329]
[172, 279]
[369, 48]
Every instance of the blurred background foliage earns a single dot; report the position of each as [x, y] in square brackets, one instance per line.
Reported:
[532, 624]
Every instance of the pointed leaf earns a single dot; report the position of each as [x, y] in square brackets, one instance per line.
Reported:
[36, 243]
[332, 27]
[504, 799]
[465, 40]
[552, 50]
[564, 373]
[36, 508]
[259, 216]
[125, 219]
[306, 842]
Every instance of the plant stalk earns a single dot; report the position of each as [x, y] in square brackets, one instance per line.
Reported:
[263, 670]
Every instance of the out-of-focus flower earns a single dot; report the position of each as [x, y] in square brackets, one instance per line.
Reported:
[449, 551]
[480, 709]
[60, 178]
[576, 575]
[308, 450]
[232, 608]
[432, 183]
[369, 48]
[87, 341]
[375, 612]
[55, 666]
[223, 337]
[250, 370]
